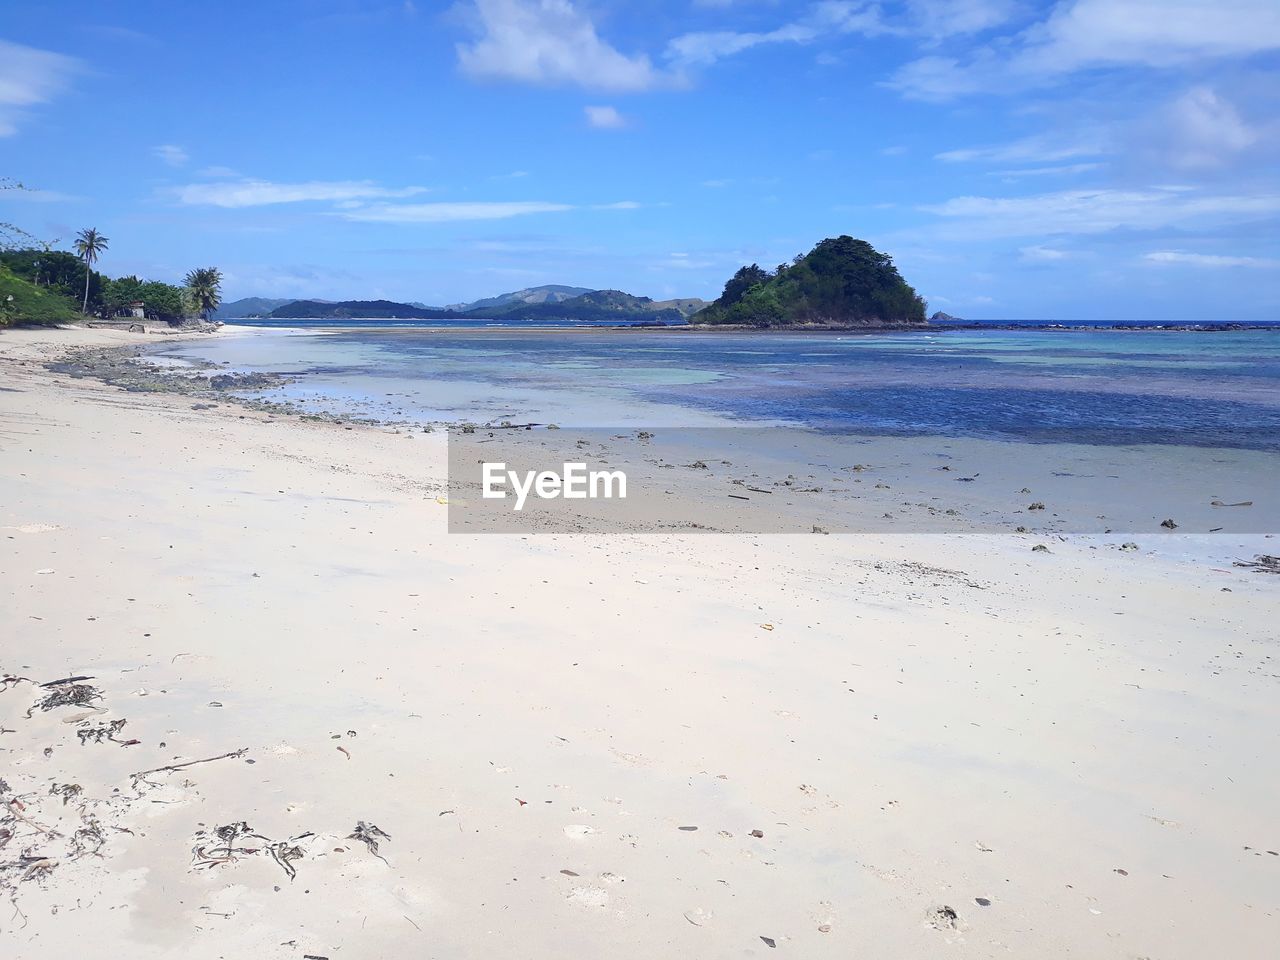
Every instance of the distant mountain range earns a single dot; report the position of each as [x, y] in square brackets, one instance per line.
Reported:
[550, 302]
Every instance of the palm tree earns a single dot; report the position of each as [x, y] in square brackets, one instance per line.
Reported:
[89, 243]
[203, 284]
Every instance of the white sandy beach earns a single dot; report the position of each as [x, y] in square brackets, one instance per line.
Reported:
[569, 741]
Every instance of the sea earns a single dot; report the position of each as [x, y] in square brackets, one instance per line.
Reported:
[1034, 382]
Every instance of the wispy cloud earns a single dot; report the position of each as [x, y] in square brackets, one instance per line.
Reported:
[29, 77]
[258, 193]
[1201, 130]
[1039, 254]
[451, 212]
[1098, 33]
[1062, 170]
[605, 118]
[822, 19]
[1095, 211]
[1179, 258]
[172, 154]
[1038, 149]
[549, 42]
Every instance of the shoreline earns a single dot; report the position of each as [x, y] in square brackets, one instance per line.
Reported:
[913, 724]
[1056, 327]
[855, 482]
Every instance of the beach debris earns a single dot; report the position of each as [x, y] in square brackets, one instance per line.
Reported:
[824, 928]
[822, 530]
[698, 916]
[758, 834]
[943, 918]
[1242, 503]
[284, 852]
[1035, 506]
[1122, 871]
[369, 834]
[1168, 524]
[982, 901]
[1128, 547]
[67, 693]
[770, 942]
[67, 791]
[221, 844]
[98, 734]
[1040, 548]
[766, 626]
[687, 829]
[1262, 563]
[190, 763]
[570, 873]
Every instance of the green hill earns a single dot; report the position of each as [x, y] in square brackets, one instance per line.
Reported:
[24, 302]
[248, 307]
[841, 282]
[598, 306]
[356, 310]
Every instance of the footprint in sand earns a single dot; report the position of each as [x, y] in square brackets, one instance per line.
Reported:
[34, 528]
[578, 831]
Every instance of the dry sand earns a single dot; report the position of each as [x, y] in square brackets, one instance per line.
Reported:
[950, 746]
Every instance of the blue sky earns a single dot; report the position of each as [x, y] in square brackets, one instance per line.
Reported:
[1087, 158]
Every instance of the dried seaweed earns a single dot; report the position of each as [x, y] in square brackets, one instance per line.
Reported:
[369, 834]
[1263, 563]
[220, 845]
[98, 734]
[225, 845]
[67, 695]
[67, 791]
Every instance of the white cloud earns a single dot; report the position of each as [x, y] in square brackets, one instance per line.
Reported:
[945, 18]
[257, 193]
[604, 118]
[1038, 254]
[1202, 130]
[1027, 150]
[823, 19]
[1177, 257]
[1100, 33]
[1062, 170]
[172, 154]
[1094, 211]
[620, 205]
[29, 77]
[451, 212]
[549, 42]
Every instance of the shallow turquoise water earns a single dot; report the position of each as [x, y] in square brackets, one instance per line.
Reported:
[1092, 386]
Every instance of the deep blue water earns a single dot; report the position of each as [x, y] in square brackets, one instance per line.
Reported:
[1086, 386]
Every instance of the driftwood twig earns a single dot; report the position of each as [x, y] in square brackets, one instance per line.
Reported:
[191, 763]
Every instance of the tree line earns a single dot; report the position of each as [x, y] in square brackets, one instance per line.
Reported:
[70, 275]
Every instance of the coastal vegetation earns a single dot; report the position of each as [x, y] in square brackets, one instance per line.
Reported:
[204, 286]
[840, 282]
[89, 245]
[43, 285]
